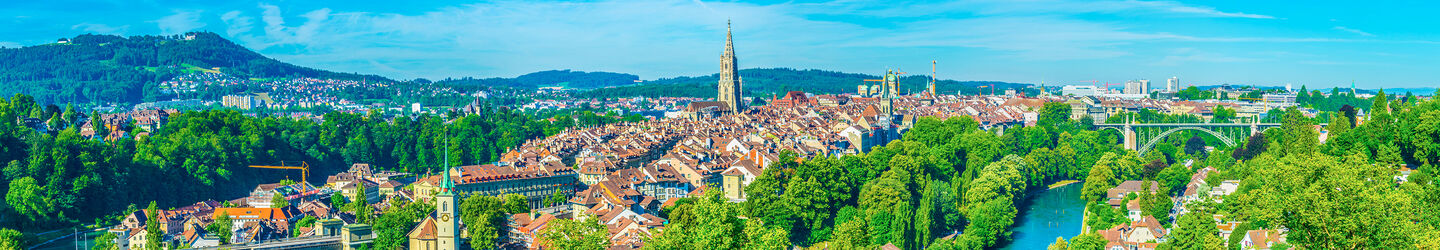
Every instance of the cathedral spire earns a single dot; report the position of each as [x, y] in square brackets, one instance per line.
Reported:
[729, 85]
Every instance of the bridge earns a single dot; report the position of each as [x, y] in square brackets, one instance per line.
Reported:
[1143, 136]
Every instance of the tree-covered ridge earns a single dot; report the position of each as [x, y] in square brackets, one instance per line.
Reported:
[761, 82]
[108, 68]
[61, 178]
[551, 78]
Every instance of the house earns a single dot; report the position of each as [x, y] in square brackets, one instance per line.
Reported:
[1261, 239]
[1142, 234]
[737, 178]
[1117, 194]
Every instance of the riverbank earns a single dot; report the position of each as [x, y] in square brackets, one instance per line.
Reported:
[1063, 183]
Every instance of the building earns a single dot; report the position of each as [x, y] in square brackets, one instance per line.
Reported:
[1137, 87]
[1278, 98]
[495, 180]
[730, 82]
[239, 101]
[1080, 90]
[439, 231]
[1172, 85]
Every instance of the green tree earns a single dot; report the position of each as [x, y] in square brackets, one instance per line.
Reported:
[279, 201]
[153, 234]
[1196, 231]
[337, 201]
[517, 204]
[307, 221]
[483, 217]
[104, 242]
[556, 199]
[11, 239]
[1101, 179]
[851, 235]
[364, 214]
[27, 198]
[222, 227]
[575, 234]
[1088, 241]
[1059, 244]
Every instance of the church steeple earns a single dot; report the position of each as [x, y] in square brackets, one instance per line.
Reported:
[447, 223]
[729, 85]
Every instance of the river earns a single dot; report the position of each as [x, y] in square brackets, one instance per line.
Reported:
[1048, 214]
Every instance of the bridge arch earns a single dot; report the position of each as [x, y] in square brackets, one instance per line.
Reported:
[1150, 144]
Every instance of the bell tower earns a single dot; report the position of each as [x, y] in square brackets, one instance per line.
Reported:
[446, 222]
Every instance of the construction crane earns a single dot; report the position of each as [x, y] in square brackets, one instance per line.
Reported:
[1107, 87]
[304, 171]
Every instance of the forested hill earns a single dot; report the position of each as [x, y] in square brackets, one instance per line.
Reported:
[764, 81]
[107, 68]
[552, 78]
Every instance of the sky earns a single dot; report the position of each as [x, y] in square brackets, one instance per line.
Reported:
[1376, 44]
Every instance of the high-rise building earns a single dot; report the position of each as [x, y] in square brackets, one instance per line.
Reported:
[729, 77]
[1137, 87]
[1172, 85]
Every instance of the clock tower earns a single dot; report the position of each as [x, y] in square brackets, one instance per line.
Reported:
[446, 223]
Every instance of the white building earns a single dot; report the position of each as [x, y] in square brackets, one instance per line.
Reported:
[1172, 85]
[1080, 90]
[1137, 87]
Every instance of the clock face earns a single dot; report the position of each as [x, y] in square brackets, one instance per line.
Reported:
[445, 217]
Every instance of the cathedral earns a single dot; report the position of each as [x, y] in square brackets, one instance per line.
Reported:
[729, 93]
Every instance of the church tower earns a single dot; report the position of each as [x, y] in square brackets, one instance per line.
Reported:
[446, 221]
[730, 77]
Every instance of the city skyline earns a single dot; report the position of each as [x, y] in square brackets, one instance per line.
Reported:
[1054, 42]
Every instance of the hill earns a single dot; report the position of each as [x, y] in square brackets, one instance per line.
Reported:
[767, 81]
[107, 68]
[551, 78]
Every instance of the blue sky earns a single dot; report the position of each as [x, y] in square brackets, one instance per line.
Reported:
[1387, 44]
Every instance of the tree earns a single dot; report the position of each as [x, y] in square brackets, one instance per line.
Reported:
[1054, 113]
[517, 204]
[575, 234]
[851, 235]
[279, 201]
[104, 242]
[222, 227]
[11, 239]
[153, 235]
[307, 221]
[1331, 203]
[1059, 244]
[1196, 231]
[1194, 145]
[556, 199]
[364, 214]
[1100, 180]
[337, 201]
[1088, 241]
[27, 198]
[483, 217]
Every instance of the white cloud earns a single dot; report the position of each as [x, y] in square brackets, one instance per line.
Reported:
[236, 23]
[1355, 31]
[1109, 7]
[180, 22]
[1184, 56]
[10, 44]
[101, 28]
